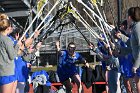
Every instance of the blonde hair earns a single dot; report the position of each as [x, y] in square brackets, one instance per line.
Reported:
[3, 16]
[4, 24]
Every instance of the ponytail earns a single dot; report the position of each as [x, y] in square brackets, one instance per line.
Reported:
[4, 24]
[3, 16]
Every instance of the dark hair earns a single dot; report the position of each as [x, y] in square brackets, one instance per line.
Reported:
[134, 13]
[124, 23]
[16, 31]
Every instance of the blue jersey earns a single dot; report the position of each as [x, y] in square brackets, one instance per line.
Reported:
[126, 63]
[21, 69]
[104, 51]
[14, 40]
[127, 66]
[66, 67]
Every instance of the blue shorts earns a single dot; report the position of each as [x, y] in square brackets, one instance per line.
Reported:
[65, 73]
[22, 71]
[127, 70]
[7, 79]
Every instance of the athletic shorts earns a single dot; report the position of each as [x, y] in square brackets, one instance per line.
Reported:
[7, 79]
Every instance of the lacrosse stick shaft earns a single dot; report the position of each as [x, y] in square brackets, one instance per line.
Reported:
[57, 2]
[33, 20]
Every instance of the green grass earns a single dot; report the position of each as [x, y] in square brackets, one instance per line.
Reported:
[44, 68]
[54, 68]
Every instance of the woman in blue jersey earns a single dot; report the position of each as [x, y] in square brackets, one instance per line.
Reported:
[103, 48]
[22, 65]
[66, 68]
[126, 61]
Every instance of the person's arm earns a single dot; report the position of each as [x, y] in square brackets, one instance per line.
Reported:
[125, 50]
[11, 49]
[21, 50]
[28, 53]
[137, 36]
[58, 47]
[86, 64]
[99, 54]
[83, 60]
[27, 57]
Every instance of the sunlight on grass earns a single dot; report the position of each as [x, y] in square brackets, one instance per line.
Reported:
[44, 68]
[54, 68]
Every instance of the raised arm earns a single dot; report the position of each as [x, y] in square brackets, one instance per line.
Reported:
[58, 47]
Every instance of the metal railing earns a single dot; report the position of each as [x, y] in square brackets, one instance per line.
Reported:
[70, 35]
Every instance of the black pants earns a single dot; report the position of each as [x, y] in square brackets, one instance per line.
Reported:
[43, 89]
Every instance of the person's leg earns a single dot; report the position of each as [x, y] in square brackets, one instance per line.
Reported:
[7, 88]
[68, 86]
[106, 79]
[127, 85]
[137, 80]
[20, 87]
[112, 81]
[77, 80]
[14, 86]
[118, 82]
